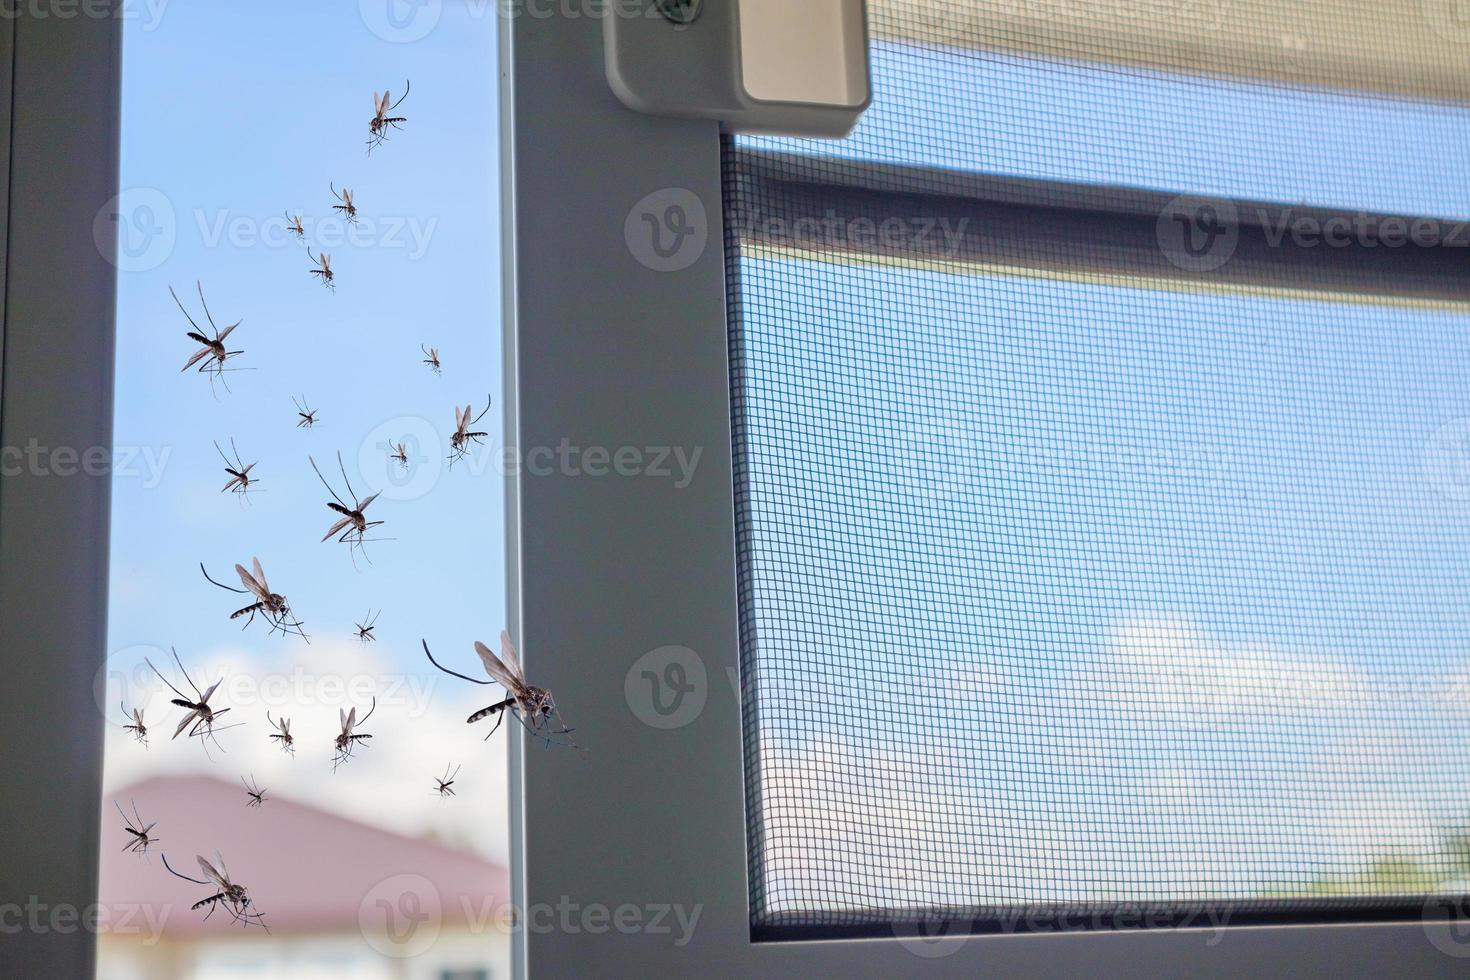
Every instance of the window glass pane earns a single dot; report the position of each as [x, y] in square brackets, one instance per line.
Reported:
[1112, 582]
[234, 117]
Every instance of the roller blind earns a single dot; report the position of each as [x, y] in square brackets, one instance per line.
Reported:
[1415, 48]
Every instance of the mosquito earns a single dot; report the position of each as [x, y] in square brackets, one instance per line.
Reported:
[201, 717]
[308, 415]
[232, 896]
[365, 632]
[212, 351]
[459, 443]
[349, 738]
[283, 733]
[323, 268]
[240, 478]
[534, 707]
[447, 781]
[138, 843]
[272, 605]
[353, 526]
[294, 226]
[253, 790]
[345, 206]
[400, 453]
[382, 105]
[431, 357]
[139, 730]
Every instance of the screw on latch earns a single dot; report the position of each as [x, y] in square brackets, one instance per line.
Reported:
[680, 11]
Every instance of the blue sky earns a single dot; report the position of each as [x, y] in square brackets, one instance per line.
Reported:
[233, 115]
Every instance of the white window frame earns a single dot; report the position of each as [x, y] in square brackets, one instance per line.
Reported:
[604, 351]
[59, 100]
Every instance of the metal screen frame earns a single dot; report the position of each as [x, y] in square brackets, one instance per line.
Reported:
[605, 351]
[59, 105]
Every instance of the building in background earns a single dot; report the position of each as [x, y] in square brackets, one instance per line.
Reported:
[341, 899]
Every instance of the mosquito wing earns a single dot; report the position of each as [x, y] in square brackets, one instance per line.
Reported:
[364, 505]
[337, 527]
[210, 872]
[342, 716]
[510, 656]
[250, 583]
[226, 331]
[498, 671]
[210, 690]
[199, 355]
[188, 719]
[255, 564]
[351, 721]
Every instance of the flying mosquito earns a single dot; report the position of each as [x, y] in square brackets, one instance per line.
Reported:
[459, 443]
[344, 204]
[256, 794]
[271, 605]
[353, 526]
[138, 843]
[139, 730]
[431, 358]
[323, 268]
[212, 354]
[349, 738]
[240, 478]
[365, 629]
[382, 105]
[201, 717]
[295, 227]
[232, 896]
[534, 707]
[308, 415]
[283, 733]
[400, 453]
[446, 782]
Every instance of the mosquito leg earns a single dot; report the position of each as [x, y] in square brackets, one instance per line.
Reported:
[498, 722]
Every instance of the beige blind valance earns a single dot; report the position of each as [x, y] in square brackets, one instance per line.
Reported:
[1416, 48]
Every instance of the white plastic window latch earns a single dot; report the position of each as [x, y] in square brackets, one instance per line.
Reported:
[794, 67]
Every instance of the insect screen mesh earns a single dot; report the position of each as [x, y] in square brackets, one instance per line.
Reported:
[1101, 547]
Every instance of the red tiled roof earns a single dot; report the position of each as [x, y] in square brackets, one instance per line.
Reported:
[305, 868]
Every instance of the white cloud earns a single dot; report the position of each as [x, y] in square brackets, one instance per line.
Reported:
[390, 783]
[1171, 667]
